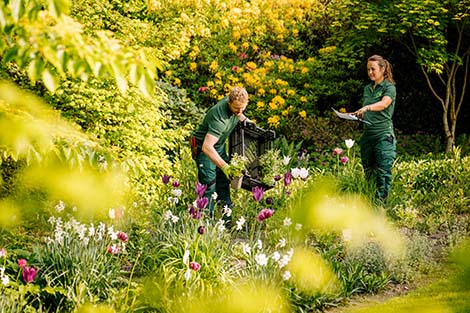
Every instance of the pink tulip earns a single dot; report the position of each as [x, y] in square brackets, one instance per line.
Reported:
[264, 214]
[344, 159]
[29, 274]
[194, 266]
[123, 236]
[22, 263]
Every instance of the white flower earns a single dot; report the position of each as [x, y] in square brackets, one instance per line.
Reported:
[214, 196]
[220, 226]
[177, 192]
[276, 256]
[112, 214]
[349, 143]
[3, 253]
[282, 243]
[286, 160]
[283, 261]
[303, 173]
[261, 259]
[60, 206]
[246, 248]
[259, 244]
[187, 275]
[111, 233]
[91, 230]
[227, 211]
[295, 172]
[287, 221]
[241, 221]
[167, 215]
[298, 226]
[286, 275]
[175, 219]
[186, 257]
[5, 280]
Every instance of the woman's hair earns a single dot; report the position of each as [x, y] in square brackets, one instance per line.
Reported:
[238, 94]
[385, 64]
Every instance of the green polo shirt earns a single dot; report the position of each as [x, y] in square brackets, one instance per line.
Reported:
[219, 121]
[379, 122]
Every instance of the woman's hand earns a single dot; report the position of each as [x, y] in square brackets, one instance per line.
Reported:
[360, 113]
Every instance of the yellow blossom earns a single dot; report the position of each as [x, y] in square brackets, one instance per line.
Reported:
[327, 50]
[304, 70]
[261, 92]
[236, 35]
[303, 99]
[193, 67]
[214, 66]
[168, 73]
[232, 47]
[342, 110]
[303, 114]
[260, 105]
[273, 121]
[245, 45]
[273, 91]
[290, 92]
[285, 112]
[251, 66]
[254, 47]
[210, 83]
[281, 82]
[177, 82]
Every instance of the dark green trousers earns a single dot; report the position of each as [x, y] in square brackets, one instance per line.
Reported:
[378, 154]
[212, 176]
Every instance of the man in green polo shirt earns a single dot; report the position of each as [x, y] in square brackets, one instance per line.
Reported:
[378, 143]
[211, 138]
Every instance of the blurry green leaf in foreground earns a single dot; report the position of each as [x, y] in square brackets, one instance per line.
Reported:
[27, 125]
[311, 273]
[9, 214]
[61, 161]
[246, 298]
[325, 210]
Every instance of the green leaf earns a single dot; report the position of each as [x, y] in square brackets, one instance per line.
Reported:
[17, 9]
[11, 54]
[50, 80]
[34, 70]
[59, 7]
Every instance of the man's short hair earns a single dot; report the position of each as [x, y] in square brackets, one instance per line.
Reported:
[238, 94]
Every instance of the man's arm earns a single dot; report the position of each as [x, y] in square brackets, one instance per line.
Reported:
[209, 150]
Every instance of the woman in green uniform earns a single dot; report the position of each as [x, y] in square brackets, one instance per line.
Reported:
[378, 142]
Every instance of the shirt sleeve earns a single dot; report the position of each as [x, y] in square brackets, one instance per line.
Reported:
[390, 91]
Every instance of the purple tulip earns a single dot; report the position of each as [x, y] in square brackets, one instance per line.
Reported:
[29, 274]
[175, 184]
[287, 178]
[258, 193]
[269, 200]
[201, 203]
[194, 212]
[200, 189]
[277, 177]
[166, 179]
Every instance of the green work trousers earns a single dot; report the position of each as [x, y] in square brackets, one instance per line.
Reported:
[378, 154]
[212, 176]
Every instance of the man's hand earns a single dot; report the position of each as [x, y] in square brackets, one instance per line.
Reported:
[228, 170]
